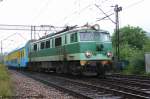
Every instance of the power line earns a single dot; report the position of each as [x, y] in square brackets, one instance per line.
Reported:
[26, 27]
[105, 17]
[30, 25]
[105, 14]
[22, 29]
[81, 10]
[22, 36]
[133, 4]
[15, 25]
[9, 36]
[15, 29]
[76, 12]
[5, 39]
[42, 9]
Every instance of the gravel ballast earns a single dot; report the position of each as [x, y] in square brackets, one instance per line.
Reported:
[29, 88]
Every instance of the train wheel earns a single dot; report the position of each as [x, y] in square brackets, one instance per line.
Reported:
[65, 67]
[100, 70]
[58, 70]
[75, 70]
[75, 73]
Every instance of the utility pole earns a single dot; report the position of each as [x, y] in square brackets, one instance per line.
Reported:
[34, 32]
[117, 9]
[31, 32]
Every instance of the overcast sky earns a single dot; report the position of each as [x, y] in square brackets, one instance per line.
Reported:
[67, 12]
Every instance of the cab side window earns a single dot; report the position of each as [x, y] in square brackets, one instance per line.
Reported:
[73, 38]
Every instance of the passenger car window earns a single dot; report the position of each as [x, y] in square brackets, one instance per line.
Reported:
[35, 47]
[42, 45]
[48, 44]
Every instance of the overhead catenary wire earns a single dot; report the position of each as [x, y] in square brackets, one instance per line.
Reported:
[99, 19]
[42, 10]
[15, 25]
[9, 36]
[76, 12]
[26, 27]
[29, 26]
[4, 40]
[22, 29]
[133, 4]
[125, 8]
[67, 19]
[105, 14]
[22, 36]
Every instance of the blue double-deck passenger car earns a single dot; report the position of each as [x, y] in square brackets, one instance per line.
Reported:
[17, 58]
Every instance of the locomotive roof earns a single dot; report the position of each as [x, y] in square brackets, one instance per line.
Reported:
[69, 31]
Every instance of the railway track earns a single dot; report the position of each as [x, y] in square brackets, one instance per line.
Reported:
[132, 82]
[122, 86]
[88, 89]
[77, 89]
[130, 76]
[140, 80]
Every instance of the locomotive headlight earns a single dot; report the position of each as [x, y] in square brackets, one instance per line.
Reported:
[88, 54]
[109, 54]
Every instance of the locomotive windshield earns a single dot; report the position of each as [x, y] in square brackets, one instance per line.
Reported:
[94, 36]
[86, 36]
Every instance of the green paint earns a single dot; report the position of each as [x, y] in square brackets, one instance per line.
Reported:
[80, 47]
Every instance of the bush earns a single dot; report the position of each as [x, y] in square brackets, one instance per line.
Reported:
[135, 58]
[5, 82]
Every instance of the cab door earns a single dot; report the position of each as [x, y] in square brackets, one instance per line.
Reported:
[58, 47]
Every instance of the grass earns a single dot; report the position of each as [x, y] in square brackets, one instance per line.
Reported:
[132, 71]
[5, 82]
[146, 74]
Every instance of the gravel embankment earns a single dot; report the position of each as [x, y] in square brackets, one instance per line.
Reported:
[29, 88]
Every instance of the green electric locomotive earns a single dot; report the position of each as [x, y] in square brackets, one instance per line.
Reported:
[85, 50]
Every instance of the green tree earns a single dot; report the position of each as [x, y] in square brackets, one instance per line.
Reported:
[133, 44]
[133, 36]
[146, 47]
